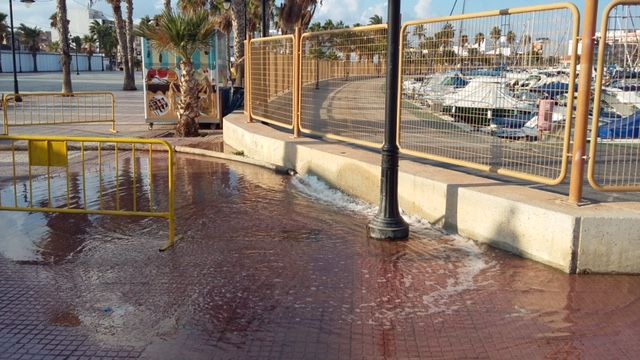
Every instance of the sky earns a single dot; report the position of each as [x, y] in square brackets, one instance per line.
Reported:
[349, 11]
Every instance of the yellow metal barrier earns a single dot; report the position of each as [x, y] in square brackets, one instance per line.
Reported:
[343, 75]
[58, 108]
[614, 154]
[478, 90]
[271, 80]
[92, 176]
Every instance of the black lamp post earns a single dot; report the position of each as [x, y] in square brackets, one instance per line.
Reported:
[265, 30]
[13, 47]
[76, 42]
[388, 224]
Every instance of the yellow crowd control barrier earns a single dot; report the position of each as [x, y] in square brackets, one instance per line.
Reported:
[485, 90]
[614, 154]
[272, 79]
[91, 176]
[58, 108]
[343, 77]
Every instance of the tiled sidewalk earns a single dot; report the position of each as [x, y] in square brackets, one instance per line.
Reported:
[264, 272]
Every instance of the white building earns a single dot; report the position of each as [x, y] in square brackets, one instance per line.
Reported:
[80, 19]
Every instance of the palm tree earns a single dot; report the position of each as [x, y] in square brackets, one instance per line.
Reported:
[297, 13]
[89, 47]
[226, 25]
[3, 32]
[129, 82]
[54, 46]
[479, 39]
[183, 33]
[254, 16]
[167, 5]
[511, 38]
[495, 35]
[130, 45]
[62, 25]
[375, 20]
[238, 8]
[30, 36]
[105, 36]
[184, 5]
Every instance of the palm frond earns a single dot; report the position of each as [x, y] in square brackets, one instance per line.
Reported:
[182, 33]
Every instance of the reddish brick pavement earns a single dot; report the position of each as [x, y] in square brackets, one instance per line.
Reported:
[263, 272]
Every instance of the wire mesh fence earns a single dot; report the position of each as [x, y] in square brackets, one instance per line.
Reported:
[55, 108]
[491, 91]
[343, 75]
[614, 161]
[272, 79]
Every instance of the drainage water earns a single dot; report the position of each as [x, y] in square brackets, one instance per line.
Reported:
[280, 267]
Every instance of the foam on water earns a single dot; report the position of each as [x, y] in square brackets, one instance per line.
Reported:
[316, 189]
[445, 297]
[19, 239]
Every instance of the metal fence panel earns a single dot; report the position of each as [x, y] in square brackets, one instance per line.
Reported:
[614, 159]
[491, 91]
[343, 76]
[271, 79]
[88, 176]
[57, 108]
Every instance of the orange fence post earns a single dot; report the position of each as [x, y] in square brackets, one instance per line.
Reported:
[584, 97]
[297, 82]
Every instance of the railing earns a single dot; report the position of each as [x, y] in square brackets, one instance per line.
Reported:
[614, 162]
[57, 108]
[492, 91]
[343, 75]
[473, 90]
[88, 176]
[272, 75]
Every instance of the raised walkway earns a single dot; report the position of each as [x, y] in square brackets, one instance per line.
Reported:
[537, 224]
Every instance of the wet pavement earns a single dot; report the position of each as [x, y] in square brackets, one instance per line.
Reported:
[279, 267]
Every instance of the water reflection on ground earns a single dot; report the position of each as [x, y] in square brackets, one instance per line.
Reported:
[280, 267]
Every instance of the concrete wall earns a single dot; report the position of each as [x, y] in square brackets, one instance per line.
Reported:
[603, 238]
[47, 62]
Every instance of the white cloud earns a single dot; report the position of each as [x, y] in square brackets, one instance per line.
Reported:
[337, 10]
[377, 9]
[422, 8]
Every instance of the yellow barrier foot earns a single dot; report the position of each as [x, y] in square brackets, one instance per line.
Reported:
[170, 244]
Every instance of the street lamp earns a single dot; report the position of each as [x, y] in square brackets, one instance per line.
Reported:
[13, 47]
[76, 43]
[388, 223]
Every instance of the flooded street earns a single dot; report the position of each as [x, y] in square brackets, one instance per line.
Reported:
[279, 267]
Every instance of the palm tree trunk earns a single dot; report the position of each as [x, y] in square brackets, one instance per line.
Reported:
[65, 46]
[89, 60]
[229, 54]
[122, 43]
[239, 26]
[167, 5]
[130, 43]
[35, 61]
[189, 104]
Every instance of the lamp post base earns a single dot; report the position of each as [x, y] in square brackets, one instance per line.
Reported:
[394, 228]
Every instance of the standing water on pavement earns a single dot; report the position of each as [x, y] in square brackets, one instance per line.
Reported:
[273, 266]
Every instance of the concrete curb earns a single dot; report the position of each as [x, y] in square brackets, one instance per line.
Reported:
[218, 155]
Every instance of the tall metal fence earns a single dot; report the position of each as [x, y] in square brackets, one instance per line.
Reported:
[57, 108]
[88, 176]
[479, 90]
[614, 160]
[493, 91]
[343, 82]
[272, 76]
